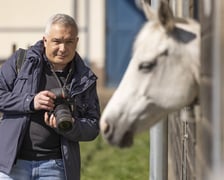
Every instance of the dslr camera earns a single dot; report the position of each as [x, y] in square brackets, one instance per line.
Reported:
[63, 109]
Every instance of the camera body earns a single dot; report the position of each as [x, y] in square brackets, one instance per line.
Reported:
[63, 109]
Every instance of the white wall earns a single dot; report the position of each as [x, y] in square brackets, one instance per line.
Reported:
[26, 20]
[23, 21]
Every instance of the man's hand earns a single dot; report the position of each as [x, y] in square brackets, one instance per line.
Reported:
[50, 121]
[44, 100]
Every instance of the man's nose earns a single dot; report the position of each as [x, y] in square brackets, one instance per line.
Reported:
[62, 47]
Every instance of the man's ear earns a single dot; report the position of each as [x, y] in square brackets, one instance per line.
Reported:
[77, 39]
[44, 40]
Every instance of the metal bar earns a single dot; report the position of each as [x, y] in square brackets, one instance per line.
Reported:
[159, 151]
[158, 142]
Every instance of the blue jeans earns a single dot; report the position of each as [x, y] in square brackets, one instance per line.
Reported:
[36, 170]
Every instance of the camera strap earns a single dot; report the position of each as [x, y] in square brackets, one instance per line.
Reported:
[67, 79]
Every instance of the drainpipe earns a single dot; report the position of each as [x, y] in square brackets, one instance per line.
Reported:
[87, 41]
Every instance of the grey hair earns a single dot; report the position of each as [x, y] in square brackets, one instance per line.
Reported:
[63, 19]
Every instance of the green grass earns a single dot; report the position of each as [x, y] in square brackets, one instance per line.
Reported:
[101, 161]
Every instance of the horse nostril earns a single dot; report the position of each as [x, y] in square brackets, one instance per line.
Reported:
[107, 130]
[105, 127]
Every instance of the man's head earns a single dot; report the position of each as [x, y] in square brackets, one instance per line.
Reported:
[60, 40]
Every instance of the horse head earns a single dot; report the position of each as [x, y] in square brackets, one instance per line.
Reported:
[162, 76]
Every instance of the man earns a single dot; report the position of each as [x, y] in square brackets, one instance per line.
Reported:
[32, 144]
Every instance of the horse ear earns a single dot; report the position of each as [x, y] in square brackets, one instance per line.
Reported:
[148, 11]
[166, 17]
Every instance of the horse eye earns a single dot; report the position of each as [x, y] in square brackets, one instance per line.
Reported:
[147, 66]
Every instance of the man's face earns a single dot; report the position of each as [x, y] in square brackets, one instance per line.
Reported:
[60, 45]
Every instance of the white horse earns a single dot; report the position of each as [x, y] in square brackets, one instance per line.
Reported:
[162, 76]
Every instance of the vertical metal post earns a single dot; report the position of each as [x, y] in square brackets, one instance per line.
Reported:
[158, 142]
[75, 9]
[82, 12]
[159, 151]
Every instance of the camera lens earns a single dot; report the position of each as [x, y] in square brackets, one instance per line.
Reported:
[65, 126]
[63, 117]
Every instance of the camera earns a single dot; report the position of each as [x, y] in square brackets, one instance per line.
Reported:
[63, 109]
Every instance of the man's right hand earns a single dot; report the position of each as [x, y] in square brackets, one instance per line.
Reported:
[44, 100]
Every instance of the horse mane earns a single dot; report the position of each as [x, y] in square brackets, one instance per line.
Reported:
[180, 20]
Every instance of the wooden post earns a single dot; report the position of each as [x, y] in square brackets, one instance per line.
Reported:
[220, 36]
[210, 133]
[217, 86]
